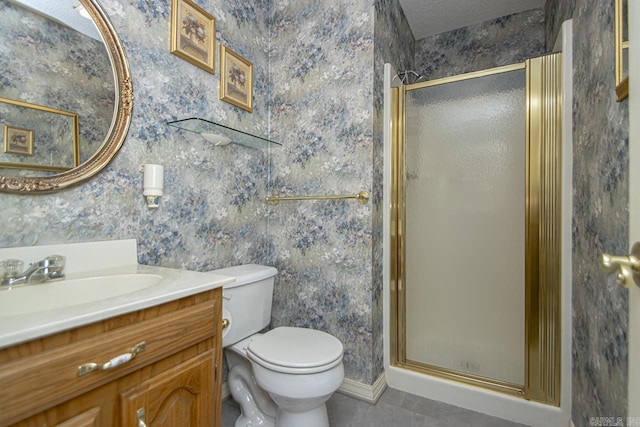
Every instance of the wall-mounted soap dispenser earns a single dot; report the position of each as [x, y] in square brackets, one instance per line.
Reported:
[153, 183]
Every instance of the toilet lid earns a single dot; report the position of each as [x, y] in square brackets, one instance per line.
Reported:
[287, 349]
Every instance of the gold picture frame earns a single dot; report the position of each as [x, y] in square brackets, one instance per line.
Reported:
[18, 140]
[236, 79]
[193, 34]
[621, 23]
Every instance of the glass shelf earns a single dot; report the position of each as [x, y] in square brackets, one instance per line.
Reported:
[211, 130]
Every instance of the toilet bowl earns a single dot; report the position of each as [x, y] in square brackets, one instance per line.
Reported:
[300, 369]
[281, 378]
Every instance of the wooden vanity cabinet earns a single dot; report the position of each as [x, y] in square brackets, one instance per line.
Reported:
[175, 381]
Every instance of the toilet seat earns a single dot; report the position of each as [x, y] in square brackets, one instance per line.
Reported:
[296, 350]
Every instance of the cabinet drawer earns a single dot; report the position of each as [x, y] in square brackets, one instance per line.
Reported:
[37, 382]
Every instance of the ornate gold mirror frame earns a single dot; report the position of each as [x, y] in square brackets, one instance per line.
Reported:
[622, 50]
[119, 125]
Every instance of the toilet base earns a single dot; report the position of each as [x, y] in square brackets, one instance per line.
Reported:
[256, 407]
[243, 421]
[316, 417]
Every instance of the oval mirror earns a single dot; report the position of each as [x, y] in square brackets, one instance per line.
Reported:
[65, 94]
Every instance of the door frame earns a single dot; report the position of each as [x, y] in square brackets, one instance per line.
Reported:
[633, 393]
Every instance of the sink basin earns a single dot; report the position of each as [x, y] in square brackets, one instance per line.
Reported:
[66, 293]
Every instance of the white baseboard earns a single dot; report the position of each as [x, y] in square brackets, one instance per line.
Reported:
[368, 393]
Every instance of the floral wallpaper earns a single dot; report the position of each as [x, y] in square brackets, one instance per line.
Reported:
[322, 99]
[212, 214]
[555, 13]
[326, 100]
[314, 93]
[600, 212]
[502, 41]
[317, 90]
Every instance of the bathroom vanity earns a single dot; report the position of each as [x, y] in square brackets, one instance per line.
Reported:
[149, 357]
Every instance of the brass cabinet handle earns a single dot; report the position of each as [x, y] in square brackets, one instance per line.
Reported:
[626, 268]
[113, 363]
[140, 415]
[225, 323]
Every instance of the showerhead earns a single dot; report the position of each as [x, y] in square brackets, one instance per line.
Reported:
[421, 78]
[408, 77]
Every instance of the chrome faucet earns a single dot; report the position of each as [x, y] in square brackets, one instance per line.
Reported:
[50, 268]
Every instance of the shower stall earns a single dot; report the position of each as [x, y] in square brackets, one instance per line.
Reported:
[462, 312]
[474, 234]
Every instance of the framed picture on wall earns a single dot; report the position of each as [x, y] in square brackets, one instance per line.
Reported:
[18, 141]
[236, 79]
[193, 34]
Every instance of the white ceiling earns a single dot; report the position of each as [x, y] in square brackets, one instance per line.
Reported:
[427, 17]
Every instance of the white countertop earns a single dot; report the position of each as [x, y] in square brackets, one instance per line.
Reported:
[175, 284]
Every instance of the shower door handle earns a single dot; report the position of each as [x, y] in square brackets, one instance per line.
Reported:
[626, 268]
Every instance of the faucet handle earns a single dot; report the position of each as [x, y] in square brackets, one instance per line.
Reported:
[55, 261]
[53, 266]
[10, 269]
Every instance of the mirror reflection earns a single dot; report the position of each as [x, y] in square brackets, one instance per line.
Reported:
[57, 146]
[57, 67]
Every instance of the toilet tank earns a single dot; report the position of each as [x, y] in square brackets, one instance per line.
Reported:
[247, 301]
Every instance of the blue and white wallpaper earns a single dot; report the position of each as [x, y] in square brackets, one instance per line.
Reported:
[326, 101]
[322, 99]
[314, 93]
[212, 214]
[317, 71]
[600, 212]
[502, 41]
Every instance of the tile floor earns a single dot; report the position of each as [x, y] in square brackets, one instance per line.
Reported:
[394, 409]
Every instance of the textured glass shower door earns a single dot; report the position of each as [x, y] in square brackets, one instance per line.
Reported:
[465, 206]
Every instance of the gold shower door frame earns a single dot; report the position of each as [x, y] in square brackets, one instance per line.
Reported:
[542, 234]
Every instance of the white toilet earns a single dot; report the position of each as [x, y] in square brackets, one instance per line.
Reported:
[283, 377]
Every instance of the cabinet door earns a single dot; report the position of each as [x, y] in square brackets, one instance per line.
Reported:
[94, 409]
[181, 396]
[90, 418]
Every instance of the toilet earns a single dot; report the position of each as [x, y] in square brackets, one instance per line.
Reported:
[280, 378]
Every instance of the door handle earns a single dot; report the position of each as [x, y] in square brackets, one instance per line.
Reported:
[141, 421]
[626, 268]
